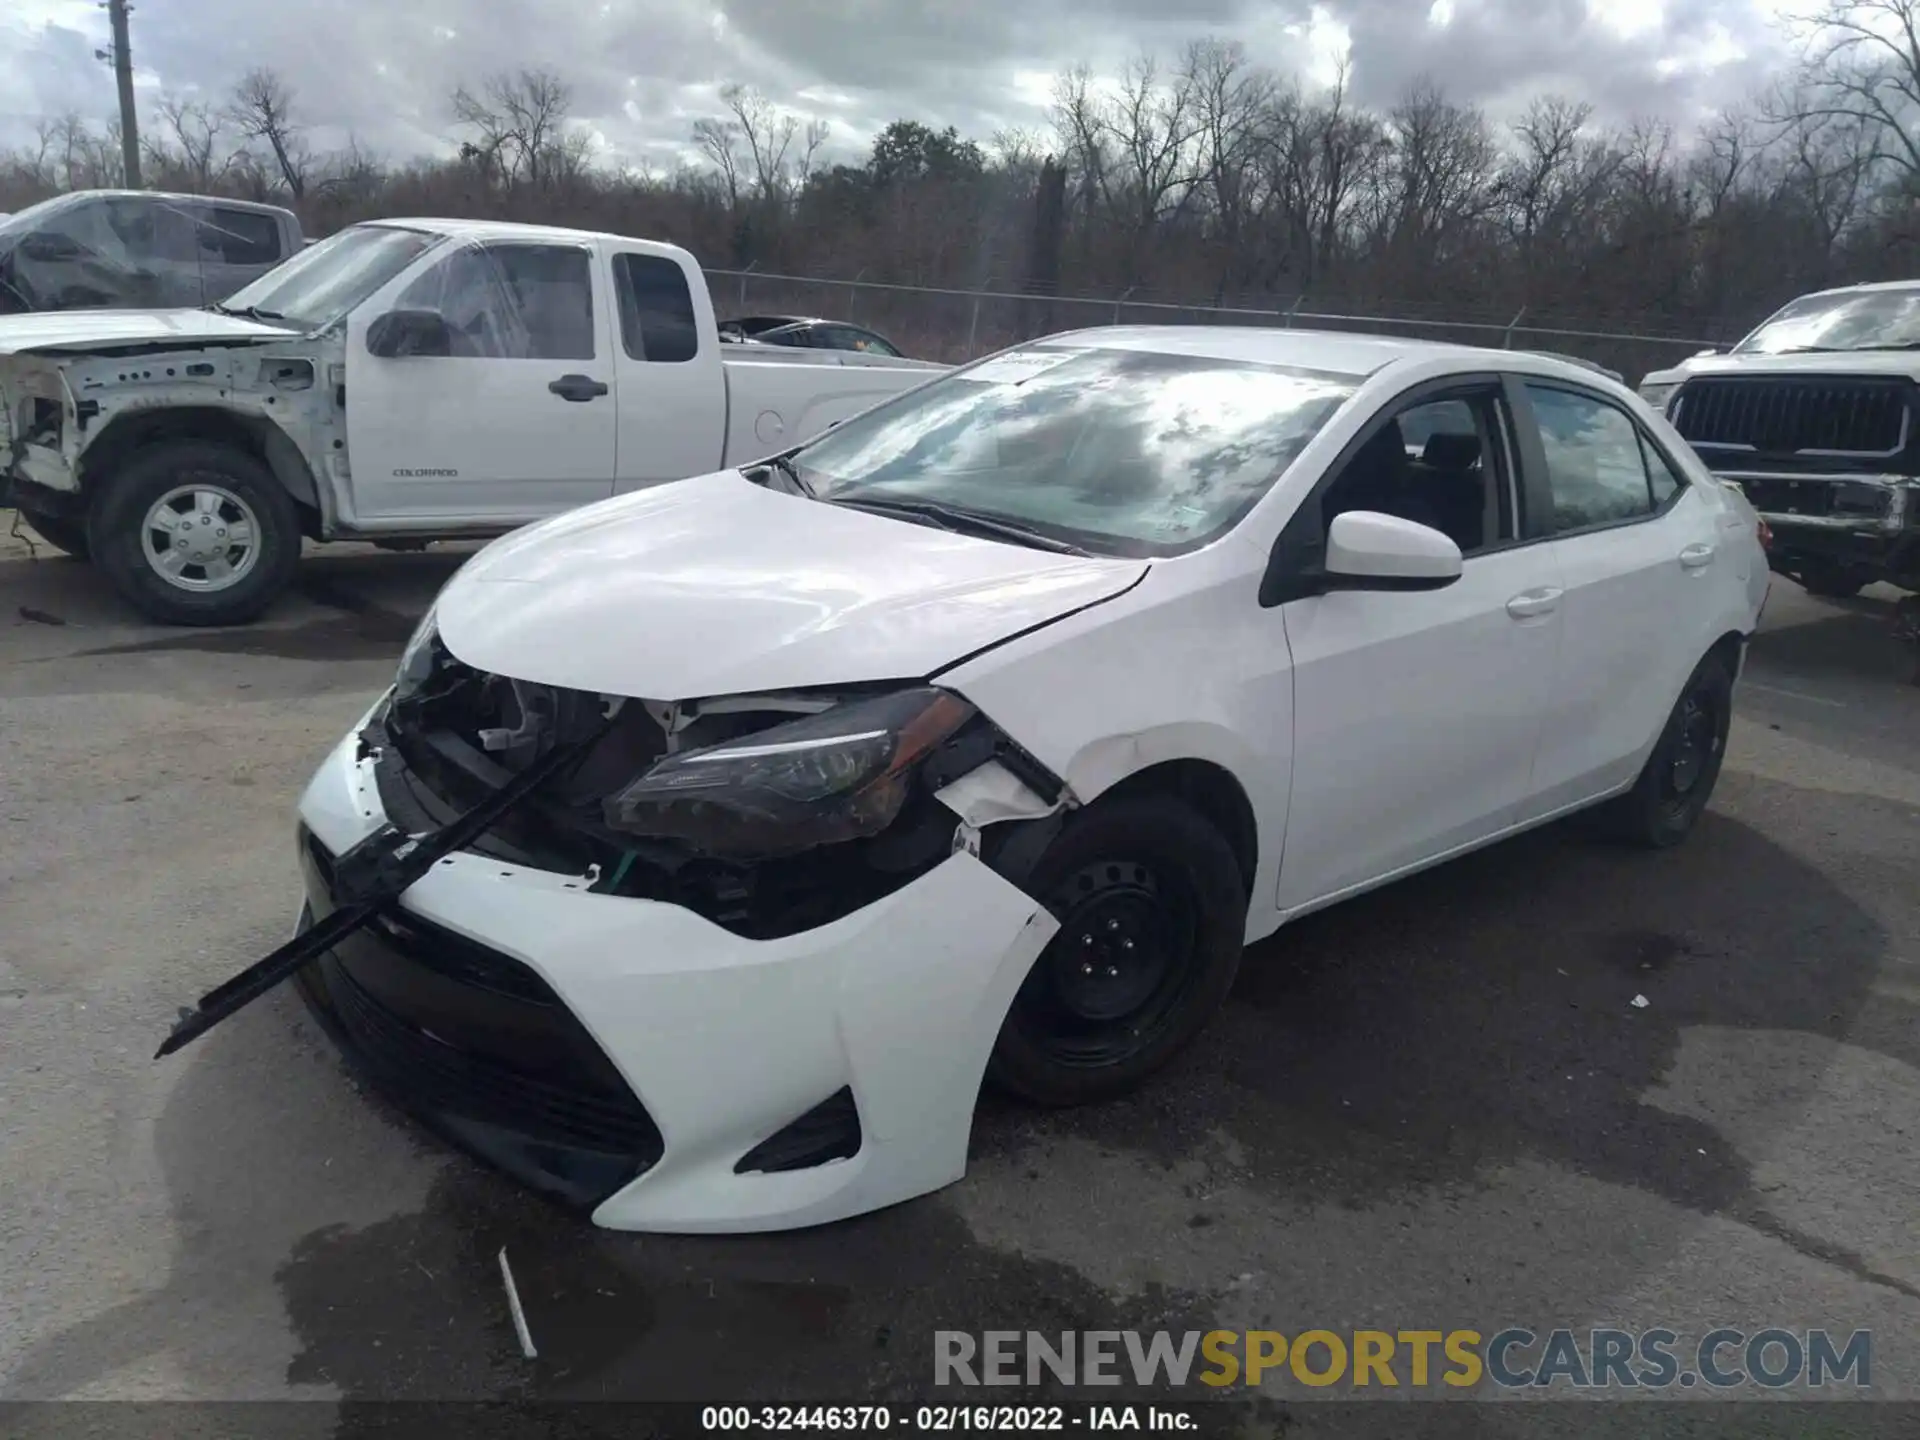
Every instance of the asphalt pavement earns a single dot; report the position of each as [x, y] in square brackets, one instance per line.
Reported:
[1438, 1106]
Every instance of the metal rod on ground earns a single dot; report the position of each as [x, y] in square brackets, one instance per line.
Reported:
[513, 1306]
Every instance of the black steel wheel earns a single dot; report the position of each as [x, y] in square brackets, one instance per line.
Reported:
[1152, 910]
[1679, 775]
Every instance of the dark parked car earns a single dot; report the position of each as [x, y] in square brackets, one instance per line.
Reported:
[807, 332]
[137, 250]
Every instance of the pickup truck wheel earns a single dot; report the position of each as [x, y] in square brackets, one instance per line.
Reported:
[1678, 778]
[1833, 582]
[59, 531]
[1153, 916]
[194, 532]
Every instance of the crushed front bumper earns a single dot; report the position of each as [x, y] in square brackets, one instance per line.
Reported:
[628, 1055]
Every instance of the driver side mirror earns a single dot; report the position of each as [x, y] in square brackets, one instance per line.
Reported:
[401, 333]
[1370, 551]
[1364, 550]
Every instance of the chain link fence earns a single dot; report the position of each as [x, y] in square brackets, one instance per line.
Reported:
[956, 325]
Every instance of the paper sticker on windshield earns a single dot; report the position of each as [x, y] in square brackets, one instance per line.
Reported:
[1021, 366]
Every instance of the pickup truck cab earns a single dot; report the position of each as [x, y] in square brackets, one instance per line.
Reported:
[134, 249]
[399, 382]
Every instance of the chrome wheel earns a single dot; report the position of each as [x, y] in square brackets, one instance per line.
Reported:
[200, 537]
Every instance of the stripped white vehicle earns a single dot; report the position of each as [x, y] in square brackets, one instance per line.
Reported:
[401, 381]
[976, 737]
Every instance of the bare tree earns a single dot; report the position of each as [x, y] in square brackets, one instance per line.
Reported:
[189, 137]
[1863, 68]
[518, 127]
[1236, 107]
[719, 141]
[1134, 146]
[811, 139]
[263, 109]
[768, 134]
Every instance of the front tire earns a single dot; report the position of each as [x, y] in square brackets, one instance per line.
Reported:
[194, 532]
[1153, 914]
[1678, 778]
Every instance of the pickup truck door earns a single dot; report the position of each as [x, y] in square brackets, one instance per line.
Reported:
[672, 386]
[517, 420]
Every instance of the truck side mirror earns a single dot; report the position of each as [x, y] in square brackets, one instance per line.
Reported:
[49, 247]
[400, 333]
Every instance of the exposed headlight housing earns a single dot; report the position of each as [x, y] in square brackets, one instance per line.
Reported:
[822, 779]
[1658, 393]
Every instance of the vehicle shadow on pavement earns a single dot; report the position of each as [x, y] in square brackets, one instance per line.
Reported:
[1474, 1016]
[1859, 643]
[341, 607]
[1484, 1012]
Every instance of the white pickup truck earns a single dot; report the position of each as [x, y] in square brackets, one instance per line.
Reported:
[400, 382]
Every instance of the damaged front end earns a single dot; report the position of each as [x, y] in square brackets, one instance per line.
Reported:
[767, 815]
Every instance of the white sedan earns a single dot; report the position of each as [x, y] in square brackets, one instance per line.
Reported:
[975, 738]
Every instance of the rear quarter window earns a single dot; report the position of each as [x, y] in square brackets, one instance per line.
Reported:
[656, 309]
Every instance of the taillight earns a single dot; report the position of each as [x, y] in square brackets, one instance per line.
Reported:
[1765, 531]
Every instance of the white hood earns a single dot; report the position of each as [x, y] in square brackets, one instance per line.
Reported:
[1838, 362]
[104, 329]
[717, 586]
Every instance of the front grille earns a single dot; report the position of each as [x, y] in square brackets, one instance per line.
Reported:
[445, 1077]
[1795, 416]
[1772, 496]
[464, 1035]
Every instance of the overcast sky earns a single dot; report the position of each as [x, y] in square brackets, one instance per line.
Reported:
[644, 70]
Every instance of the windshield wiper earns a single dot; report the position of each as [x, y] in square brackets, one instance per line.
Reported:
[247, 312]
[963, 521]
[787, 468]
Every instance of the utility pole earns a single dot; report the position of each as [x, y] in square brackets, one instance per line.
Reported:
[121, 54]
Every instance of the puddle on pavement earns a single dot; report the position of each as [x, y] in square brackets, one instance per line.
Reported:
[415, 1305]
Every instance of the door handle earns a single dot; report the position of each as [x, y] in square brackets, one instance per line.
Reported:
[1529, 603]
[1694, 556]
[577, 387]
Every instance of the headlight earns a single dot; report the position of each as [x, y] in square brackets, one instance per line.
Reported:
[818, 780]
[416, 661]
[1659, 393]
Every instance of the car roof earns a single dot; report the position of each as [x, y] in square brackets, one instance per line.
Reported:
[1863, 287]
[1337, 351]
[175, 196]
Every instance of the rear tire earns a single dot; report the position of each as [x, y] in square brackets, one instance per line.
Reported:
[59, 531]
[1678, 778]
[194, 532]
[1153, 914]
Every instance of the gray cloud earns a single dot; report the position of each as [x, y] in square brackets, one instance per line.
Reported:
[643, 70]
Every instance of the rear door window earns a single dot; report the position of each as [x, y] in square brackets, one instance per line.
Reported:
[241, 237]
